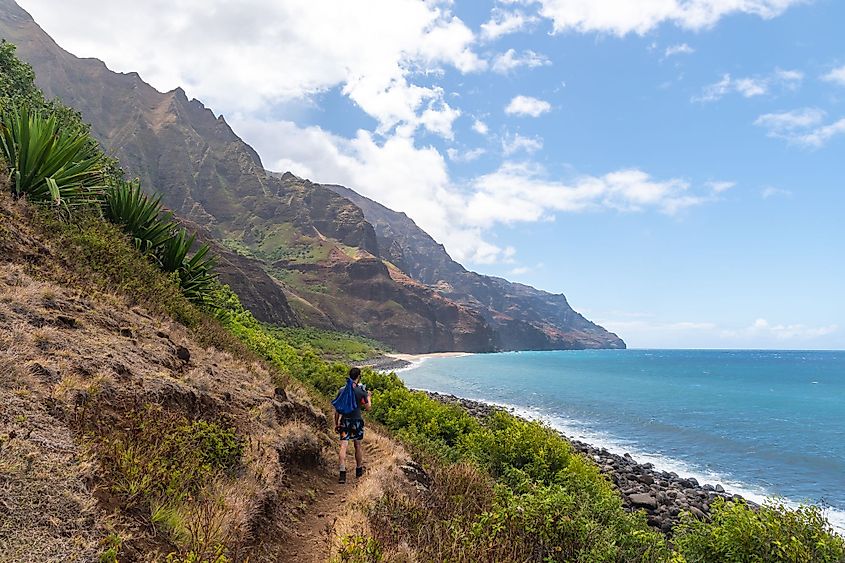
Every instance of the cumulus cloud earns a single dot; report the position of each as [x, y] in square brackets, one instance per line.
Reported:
[527, 106]
[510, 60]
[681, 49]
[837, 76]
[416, 180]
[504, 22]
[801, 127]
[456, 155]
[523, 192]
[515, 143]
[749, 87]
[621, 17]
[369, 48]
[480, 127]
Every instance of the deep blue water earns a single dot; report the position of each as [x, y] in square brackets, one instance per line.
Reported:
[762, 423]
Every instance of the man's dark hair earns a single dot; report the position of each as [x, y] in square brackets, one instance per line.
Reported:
[355, 374]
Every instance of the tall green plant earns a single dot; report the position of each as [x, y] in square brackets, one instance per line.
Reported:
[48, 163]
[196, 274]
[141, 216]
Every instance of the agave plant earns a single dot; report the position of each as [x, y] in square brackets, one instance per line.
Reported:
[196, 274]
[141, 216]
[49, 164]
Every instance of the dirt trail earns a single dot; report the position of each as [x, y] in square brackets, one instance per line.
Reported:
[313, 536]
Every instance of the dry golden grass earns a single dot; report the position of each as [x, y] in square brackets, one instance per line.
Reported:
[92, 359]
[384, 456]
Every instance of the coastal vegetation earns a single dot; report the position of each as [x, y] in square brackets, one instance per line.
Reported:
[53, 159]
[498, 489]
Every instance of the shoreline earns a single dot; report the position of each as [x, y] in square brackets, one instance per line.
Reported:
[397, 361]
[663, 495]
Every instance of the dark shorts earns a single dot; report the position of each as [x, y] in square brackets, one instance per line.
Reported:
[351, 429]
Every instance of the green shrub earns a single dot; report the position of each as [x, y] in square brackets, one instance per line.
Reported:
[196, 274]
[519, 451]
[139, 215]
[774, 533]
[359, 549]
[49, 163]
[17, 81]
[158, 459]
[111, 547]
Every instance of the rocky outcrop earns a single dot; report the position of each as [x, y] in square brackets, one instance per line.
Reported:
[522, 317]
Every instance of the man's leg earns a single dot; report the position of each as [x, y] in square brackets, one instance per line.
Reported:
[343, 445]
[359, 458]
[359, 454]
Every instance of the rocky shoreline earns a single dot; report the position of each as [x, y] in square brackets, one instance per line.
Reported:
[662, 495]
[384, 363]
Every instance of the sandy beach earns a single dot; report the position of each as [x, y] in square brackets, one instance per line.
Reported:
[417, 357]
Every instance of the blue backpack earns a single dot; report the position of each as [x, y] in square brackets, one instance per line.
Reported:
[345, 401]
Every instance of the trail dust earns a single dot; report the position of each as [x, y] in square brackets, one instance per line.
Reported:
[339, 510]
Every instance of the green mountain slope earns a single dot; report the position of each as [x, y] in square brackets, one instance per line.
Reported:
[296, 251]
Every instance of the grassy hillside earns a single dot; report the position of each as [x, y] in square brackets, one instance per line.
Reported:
[146, 418]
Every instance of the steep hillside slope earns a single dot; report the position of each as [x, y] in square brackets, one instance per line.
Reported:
[122, 431]
[299, 231]
[523, 317]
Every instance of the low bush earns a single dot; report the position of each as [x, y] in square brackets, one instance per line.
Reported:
[772, 533]
[157, 459]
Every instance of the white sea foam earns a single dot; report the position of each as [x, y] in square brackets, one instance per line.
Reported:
[576, 430]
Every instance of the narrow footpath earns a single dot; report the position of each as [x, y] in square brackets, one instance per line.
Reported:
[326, 518]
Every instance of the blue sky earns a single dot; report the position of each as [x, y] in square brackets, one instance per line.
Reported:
[674, 167]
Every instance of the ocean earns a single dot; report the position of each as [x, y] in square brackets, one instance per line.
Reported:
[761, 423]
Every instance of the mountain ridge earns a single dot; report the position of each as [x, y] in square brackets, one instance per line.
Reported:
[321, 261]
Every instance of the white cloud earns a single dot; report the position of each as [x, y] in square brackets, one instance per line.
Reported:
[837, 75]
[519, 271]
[770, 191]
[681, 49]
[620, 17]
[372, 49]
[510, 60]
[527, 106]
[749, 87]
[504, 22]
[459, 216]
[522, 192]
[802, 127]
[480, 127]
[719, 187]
[515, 143]
[464, 156]
[791, 120]
[781, 332]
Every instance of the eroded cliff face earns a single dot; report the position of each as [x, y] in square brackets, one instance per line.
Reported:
[522, 317]
[287, 246]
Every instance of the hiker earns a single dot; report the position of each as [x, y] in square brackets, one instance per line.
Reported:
[348, 420]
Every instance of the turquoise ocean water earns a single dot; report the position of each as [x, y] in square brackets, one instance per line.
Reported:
[762, 423]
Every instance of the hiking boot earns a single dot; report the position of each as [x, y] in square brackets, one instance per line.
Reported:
[359, 471]
[342, 478]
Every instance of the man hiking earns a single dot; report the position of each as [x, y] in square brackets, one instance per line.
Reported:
[348, 420]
